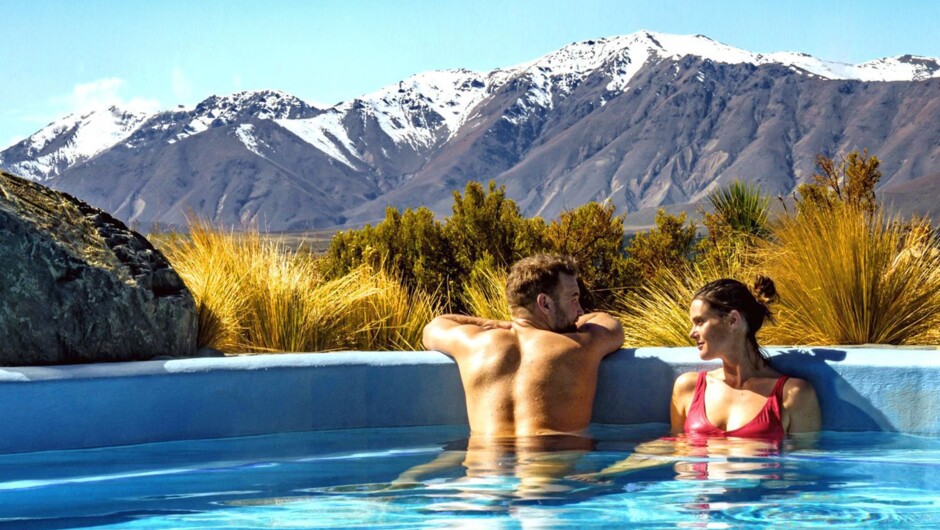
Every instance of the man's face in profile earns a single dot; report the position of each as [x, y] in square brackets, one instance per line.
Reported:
[567, 305]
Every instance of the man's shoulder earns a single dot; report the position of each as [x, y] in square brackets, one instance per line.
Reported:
[491, 340]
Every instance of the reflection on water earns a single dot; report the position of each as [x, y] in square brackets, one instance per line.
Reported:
[674, 481]
[618, 476]
[523, 468]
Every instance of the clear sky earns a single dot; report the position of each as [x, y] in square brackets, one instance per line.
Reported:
[62, 56]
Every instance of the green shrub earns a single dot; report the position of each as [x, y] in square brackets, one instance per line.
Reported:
[737, 222]
[851, 182]
[486, 232]
[413, 246]
[593, 235]
[667, 247]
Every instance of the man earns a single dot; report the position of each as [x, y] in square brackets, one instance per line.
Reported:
[537, 373]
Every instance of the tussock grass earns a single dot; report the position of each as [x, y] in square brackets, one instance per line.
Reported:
[656, 313]
[485, 293]
[255, 295]
[846, 276]
[391, 318]
[214, 265]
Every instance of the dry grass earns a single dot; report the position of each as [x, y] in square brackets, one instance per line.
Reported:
[847, 277]
[657, 313]
[257, 295]
[844, 277]
[485, 293]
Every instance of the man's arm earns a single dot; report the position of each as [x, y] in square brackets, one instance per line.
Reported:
[603, 333]
[452, 334]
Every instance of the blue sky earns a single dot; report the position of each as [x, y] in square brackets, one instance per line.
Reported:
[65, 56]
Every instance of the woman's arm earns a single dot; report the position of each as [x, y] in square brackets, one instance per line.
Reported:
[682, 392]
[801, 407]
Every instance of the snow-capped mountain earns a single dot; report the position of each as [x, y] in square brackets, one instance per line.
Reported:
[77, 138]
[412, 117]
[644, 120]
[70, 140]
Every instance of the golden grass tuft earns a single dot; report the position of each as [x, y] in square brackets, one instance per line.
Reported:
[656, 313]
[255, 295]
[213, 266]
[849, 277]
[844, 277]
[485, 293]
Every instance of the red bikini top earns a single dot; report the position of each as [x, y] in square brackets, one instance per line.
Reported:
[767, 423]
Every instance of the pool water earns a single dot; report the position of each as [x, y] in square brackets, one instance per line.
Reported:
[433, 477]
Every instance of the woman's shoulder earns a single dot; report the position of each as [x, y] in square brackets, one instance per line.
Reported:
[685, 382]
[801, 406]
[795, 384]
[797, 390]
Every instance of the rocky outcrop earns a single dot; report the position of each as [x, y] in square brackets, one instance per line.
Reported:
[78, 286]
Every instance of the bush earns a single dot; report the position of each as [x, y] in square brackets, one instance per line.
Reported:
[486, 226]
[849, 182]
[434, 259]
[667, 247]
[738, 220]
[593, 235]
[412, 246]
[485, 235]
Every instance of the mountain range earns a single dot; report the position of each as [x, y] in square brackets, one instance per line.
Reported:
[646, 120]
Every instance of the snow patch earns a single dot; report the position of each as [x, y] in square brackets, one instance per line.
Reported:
[326, 133]
[419, 109]
[245, 134]
[623, 56]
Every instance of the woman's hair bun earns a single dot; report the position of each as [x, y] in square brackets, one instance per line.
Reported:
[764, 290]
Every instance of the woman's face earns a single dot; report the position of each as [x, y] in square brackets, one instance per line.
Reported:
[710, 330]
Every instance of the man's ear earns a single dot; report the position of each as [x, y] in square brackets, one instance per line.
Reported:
[542, 302]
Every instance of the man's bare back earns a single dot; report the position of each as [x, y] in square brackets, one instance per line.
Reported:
[525, 377]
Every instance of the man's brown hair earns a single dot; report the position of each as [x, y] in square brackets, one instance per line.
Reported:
[536, 274]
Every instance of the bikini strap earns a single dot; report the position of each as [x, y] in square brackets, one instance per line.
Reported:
[700, 380]
[778, 388]
[699, 394]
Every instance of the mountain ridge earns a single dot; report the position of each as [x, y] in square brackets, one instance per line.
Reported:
[644, 120]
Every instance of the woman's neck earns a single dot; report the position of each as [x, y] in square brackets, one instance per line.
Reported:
[743, 365]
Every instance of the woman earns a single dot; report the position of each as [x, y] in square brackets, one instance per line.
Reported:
[744, 397]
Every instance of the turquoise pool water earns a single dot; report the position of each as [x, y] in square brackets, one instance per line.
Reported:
[346, 479]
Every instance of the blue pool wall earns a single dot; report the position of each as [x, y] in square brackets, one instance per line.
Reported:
[85, 406]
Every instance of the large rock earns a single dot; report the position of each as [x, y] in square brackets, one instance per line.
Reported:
[76, 285]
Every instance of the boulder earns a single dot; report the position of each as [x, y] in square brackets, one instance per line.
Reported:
[76, 285]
